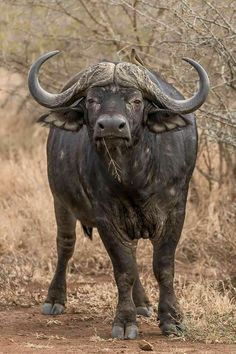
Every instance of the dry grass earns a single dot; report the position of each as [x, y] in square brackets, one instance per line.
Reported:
[205, 257]
[209, 313]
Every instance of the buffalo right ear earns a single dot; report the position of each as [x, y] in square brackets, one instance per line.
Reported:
[66, 118]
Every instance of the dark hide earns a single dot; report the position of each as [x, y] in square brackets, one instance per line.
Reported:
[142, 195]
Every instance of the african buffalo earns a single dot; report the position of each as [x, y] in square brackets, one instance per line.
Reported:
[121, 150]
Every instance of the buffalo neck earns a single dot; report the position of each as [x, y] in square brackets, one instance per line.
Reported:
[132, 170]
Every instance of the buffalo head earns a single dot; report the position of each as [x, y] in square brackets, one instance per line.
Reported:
[116, 101]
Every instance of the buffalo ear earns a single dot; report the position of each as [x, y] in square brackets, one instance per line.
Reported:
[161, 121]
[68, 118]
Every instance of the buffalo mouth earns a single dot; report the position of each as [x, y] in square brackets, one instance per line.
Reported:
[112, 138]
[112, 142]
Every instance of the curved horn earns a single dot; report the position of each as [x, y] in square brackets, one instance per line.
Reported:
[44, 98]
[191, 104]
[130, 75]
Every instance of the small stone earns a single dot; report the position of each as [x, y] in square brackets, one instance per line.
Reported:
[144, 345]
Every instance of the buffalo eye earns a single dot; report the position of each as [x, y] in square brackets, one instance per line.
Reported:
[91, 100]
[135, 102]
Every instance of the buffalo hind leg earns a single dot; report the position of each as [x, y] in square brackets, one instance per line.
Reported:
[169, 313]
[56, 298]
[125, 272]
[141, 301]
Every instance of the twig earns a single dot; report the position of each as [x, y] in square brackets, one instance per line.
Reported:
[113, 163]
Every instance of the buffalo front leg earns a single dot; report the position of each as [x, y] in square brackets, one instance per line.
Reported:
[125, 272]
[56, 298]
[169, 313]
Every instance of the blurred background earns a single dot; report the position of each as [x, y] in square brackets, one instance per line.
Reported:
[86, 31]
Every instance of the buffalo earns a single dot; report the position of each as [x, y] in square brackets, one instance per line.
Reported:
[121, 150]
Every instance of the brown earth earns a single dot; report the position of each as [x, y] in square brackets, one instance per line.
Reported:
[26, 330]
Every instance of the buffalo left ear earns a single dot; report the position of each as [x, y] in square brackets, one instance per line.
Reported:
[66, 118]
[162, 121]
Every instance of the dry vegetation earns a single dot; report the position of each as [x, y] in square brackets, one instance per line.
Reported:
[206, 257]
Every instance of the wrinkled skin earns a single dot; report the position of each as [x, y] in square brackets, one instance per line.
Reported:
[144, 197]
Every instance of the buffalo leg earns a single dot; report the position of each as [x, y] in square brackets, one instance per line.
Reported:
[141, 301]
[56, 298]
[169, 313]
[125, 272]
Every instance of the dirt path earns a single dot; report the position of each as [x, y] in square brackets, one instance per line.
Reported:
[25, 330]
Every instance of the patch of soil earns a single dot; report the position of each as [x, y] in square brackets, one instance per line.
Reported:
[26, 330]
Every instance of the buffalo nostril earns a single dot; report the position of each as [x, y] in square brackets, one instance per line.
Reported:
[101, 126]
[122, 125]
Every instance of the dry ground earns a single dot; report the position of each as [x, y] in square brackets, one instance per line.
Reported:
[205, 264]
[25, 330]
[85, 328]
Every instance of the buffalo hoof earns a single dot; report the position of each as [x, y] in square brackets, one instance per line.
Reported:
[129, 331]
[144, 311]
[52, 309]
[177, 330]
